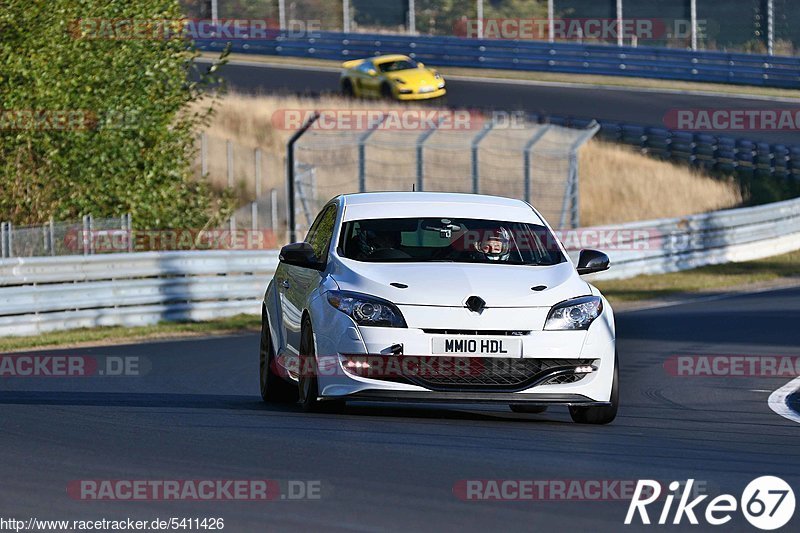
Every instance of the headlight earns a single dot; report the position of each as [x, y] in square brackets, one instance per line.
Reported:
[578, 313]
[367, 310]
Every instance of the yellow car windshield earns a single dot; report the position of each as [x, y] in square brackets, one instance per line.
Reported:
[396, 66]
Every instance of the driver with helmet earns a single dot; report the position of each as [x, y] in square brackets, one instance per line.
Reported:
[494, 245]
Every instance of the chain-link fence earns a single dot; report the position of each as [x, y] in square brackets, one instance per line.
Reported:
[511, 158]
[734, 25]
[256, 176]
[63, 238]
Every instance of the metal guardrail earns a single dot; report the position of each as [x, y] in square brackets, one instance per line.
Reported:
[42, 294]
[51, 293]
[648, 62]
[670, 245]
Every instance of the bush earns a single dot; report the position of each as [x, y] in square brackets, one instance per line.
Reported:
[91, 124]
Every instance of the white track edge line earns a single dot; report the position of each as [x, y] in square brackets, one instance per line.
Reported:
[778, 400]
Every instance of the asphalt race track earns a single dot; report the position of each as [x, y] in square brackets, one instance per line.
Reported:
[197, 415]
[620, 104]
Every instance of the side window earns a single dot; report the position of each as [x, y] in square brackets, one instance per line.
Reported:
[321, 232]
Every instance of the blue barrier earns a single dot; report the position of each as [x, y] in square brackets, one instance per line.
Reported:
[721, 154]
[648, 62]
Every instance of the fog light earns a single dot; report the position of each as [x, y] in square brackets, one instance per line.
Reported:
[357, 364]
[584, 370]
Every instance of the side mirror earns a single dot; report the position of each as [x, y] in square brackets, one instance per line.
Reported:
[592, 261]
[420, 64]
[300, 254]
[372, 72]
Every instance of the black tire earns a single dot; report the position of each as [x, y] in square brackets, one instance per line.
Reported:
[386, 92]
[274, 389]
[530, 409]
[308, 386]
[347, 89]
[600, 415]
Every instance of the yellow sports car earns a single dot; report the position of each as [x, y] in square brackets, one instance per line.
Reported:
[391, 76]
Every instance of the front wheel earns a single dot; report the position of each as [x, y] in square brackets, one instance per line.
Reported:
[347, 89]
[386, 92]
[273, 388]
[600, 415]
[308, 386]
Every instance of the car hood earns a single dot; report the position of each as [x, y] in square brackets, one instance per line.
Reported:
[413, 76]
[450, 284]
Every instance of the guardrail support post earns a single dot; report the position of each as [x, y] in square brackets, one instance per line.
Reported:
[52, 231]
[203, 154]
[85, 235]
[476, 177]
[770, 27]
[3, 246]
[290, 174]
[571, 192]
[282, 14]
[273, 210]
[527, 159]
[362, 153]
[131, 236]
[346, 17]
[229, 153]
[257, 174]
[421, 154]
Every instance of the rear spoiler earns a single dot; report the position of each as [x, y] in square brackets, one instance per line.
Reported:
[352, 63]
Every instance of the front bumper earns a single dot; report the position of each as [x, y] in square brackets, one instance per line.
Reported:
[337, 337]
[378, 395]
[420, 96]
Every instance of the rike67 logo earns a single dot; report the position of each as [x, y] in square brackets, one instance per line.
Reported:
[767, 503]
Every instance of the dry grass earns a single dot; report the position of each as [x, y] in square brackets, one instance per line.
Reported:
[617, 183]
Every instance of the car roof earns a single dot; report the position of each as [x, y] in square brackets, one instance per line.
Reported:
[422, 197]
[372, 205]
[387, 58]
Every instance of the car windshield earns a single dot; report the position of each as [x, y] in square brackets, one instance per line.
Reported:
[400, 64]
[400, 240]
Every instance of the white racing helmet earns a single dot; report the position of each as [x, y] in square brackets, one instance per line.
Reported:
[495, 244]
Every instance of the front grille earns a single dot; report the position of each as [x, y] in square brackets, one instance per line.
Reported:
[443, 373]
[478, 332]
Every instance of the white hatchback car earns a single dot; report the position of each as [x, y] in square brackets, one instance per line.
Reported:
[432, 297]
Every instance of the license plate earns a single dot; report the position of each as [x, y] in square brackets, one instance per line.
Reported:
[477, 346]
[426, 89]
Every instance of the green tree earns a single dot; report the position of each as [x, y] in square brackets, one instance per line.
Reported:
[127, 142]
